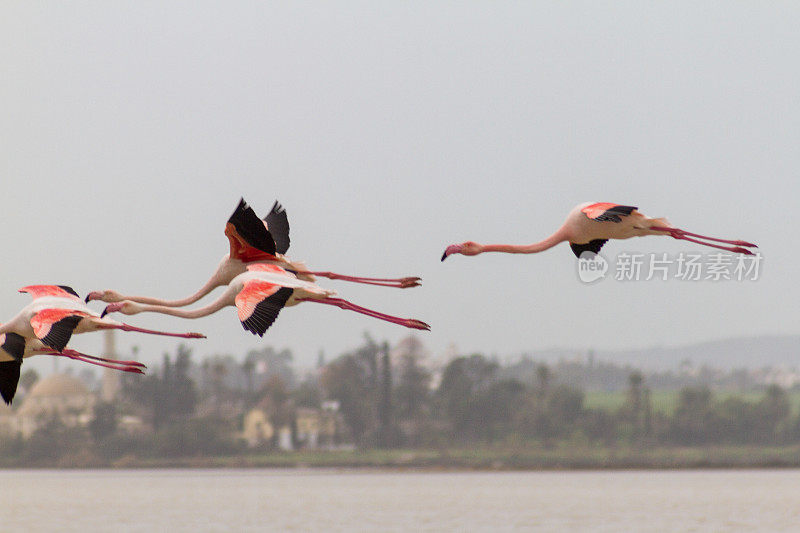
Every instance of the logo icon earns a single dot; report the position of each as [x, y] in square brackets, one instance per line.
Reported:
[591, 267]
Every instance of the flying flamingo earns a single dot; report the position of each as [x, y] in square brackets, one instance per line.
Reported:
[253, 240]
[589, 226]
[57, 312]
[14, 347]
[258, 295]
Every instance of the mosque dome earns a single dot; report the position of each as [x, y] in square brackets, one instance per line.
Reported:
[58, 385]
[56, 392]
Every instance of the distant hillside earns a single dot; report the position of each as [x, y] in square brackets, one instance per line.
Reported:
[749, 352]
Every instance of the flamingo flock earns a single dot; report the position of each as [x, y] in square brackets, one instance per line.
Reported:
[46, 325]
[261, 280]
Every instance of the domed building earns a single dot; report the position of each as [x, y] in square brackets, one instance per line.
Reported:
[59, 394]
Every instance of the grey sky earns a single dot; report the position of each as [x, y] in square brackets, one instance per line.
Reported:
[130, 130]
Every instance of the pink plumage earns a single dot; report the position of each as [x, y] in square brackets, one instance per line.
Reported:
[57, 312]
[590, 225]
[259, 294]
[56, 291]
[253, 241]
[253, 293]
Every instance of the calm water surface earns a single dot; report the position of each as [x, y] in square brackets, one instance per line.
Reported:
[288, 500]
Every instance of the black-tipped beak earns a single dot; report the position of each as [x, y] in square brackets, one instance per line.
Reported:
[86, 299]
[452, 249]
[104, 313]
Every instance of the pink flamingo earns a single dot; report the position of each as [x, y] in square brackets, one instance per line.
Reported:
[253, 240]
[589, 226]
[57, 312]
[259, 294]
[14, 348]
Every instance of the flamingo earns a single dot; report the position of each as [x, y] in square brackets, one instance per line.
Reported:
[14, 348]
[258, 295]
[590, 225]
[57, 312]
[252, 240]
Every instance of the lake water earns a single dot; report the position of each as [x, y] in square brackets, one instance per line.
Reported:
[331, 500]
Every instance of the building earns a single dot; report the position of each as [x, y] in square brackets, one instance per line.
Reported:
[307, 427]
[257, 430]
[58, 394]
[320, 428]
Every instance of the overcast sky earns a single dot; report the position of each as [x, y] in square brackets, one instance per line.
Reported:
[129, 131]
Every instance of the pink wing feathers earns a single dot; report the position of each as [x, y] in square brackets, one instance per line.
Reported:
[263, 267]
[607, 212]
[54, 327]
[59, 291]
[259, 303]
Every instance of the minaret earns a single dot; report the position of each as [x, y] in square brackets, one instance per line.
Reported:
[111, 378]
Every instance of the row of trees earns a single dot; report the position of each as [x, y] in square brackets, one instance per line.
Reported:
[388, 399]
[479, 401]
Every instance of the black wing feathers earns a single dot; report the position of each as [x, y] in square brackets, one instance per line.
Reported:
[251, 228]
[591, 246]
[616, 213]
[267, 311]
[60, 332]
[278, 226]
[14, 345]
[69, 290]
[9, 378]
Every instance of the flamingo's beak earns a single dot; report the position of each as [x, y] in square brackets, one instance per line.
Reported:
[94, 295]
[450, 250]
[111, 308]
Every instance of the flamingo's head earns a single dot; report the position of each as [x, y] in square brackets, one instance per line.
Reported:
[105, 296]
[125, 307]
[465, 248]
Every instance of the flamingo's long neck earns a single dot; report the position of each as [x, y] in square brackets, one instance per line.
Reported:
[559, 236]
[211, 308]
[210, 285]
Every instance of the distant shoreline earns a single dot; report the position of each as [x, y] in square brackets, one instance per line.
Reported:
[462, 459]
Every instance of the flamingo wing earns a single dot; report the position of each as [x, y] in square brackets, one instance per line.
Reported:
[259, 303]
[266, 267]
[13, 345]
[278, 226]
[607, 212]
[591, 246]
[9, 378]
[54, 327]
[60, 291]
[249, 237]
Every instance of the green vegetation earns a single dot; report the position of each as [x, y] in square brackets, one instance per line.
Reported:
[534, 457]
[478, 415]
[665, 401]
